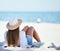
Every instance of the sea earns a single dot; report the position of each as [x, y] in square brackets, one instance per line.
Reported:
[48, 17]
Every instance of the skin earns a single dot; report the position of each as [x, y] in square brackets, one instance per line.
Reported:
[32, 32]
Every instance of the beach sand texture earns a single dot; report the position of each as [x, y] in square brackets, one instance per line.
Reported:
[48, 32]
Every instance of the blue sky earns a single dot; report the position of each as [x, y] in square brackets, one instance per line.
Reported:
[29, 5]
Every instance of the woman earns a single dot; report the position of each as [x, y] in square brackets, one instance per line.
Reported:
[15, 38]
[12, 35]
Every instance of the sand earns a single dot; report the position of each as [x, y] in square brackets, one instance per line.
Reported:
[48, 33]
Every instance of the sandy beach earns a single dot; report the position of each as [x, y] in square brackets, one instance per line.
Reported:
[48, 32]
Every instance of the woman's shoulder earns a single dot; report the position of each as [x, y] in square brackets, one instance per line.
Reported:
[5, 33]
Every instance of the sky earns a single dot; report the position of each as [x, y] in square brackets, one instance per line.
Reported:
[29, 5]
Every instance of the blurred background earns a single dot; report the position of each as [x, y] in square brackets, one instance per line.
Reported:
[31, 10]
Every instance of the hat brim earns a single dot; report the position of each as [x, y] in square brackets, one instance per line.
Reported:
[13, 27]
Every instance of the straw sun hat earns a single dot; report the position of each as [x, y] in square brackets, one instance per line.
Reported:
[13, 23]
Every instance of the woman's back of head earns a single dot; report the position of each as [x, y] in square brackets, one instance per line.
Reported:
[13, 37]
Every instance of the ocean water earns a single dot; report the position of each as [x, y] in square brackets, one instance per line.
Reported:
[50, 17]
